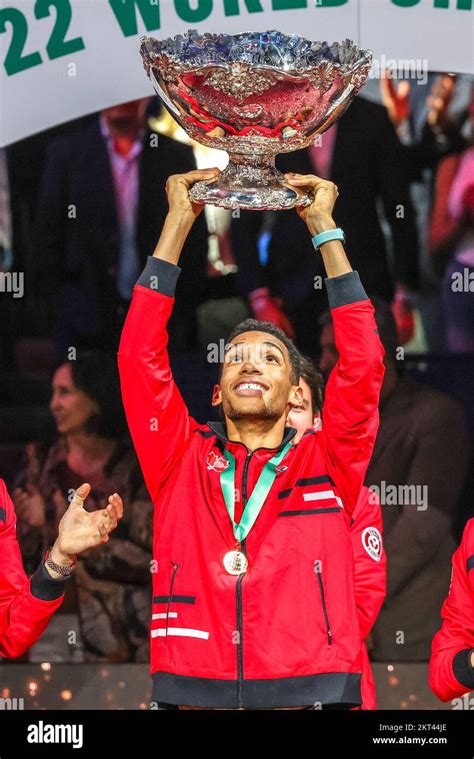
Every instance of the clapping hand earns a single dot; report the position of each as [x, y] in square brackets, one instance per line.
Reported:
[80, 530]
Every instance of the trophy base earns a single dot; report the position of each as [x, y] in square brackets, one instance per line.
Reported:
[251, 183]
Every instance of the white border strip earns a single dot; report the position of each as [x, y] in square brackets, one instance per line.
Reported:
[321, 496]
[184, 632]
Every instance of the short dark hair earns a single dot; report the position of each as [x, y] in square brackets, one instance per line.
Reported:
[252, 325]
[315, 382]
[96, 374]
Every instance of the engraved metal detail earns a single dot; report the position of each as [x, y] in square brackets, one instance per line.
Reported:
[254, 95]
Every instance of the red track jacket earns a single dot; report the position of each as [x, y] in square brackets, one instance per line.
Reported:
[451, 674]
[370, 577]
[26, 605]
[285, 633]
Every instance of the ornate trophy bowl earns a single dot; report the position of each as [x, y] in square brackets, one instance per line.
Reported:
[253, 95]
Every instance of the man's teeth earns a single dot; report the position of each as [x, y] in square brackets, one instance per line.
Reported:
[250, 386]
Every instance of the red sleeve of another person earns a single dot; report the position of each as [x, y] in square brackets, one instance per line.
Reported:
[26, 605]
[451, 671]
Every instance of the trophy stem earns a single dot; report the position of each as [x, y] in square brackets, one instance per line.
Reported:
[250, 181]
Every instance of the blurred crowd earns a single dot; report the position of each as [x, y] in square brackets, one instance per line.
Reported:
[81, 207]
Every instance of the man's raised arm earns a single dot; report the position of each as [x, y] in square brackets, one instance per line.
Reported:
[351, 417]
[157, 416]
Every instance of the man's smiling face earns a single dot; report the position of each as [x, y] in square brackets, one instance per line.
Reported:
[257, 378]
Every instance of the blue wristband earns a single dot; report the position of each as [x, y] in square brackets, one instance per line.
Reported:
[331, 234]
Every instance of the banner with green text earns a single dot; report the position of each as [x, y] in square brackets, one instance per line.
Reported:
[62, 59]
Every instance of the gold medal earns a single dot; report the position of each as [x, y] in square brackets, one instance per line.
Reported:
[235, 562]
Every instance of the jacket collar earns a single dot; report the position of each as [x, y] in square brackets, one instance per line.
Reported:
[220, 431]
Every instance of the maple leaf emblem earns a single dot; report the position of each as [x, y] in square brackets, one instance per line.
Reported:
[216, 463]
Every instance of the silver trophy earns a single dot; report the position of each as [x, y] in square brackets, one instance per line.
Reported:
[253, 95]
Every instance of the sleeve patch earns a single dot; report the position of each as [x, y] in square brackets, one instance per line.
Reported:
[372, 542]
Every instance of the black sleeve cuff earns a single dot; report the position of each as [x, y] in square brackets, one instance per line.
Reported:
[462, 668]
[159, 275]
[347, 288]
[45, 587]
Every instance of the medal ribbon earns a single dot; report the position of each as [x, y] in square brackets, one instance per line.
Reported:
[259, 493]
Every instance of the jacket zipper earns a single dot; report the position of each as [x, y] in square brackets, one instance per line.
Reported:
[325, 611]
[240, 655]
[175, 569]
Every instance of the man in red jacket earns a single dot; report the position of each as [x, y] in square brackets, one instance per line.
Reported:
[452, 651]
[253, 589]
[365, 528]
[27, 605]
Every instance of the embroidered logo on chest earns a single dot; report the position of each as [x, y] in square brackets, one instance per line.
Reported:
[216, 463]
[372, 542]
